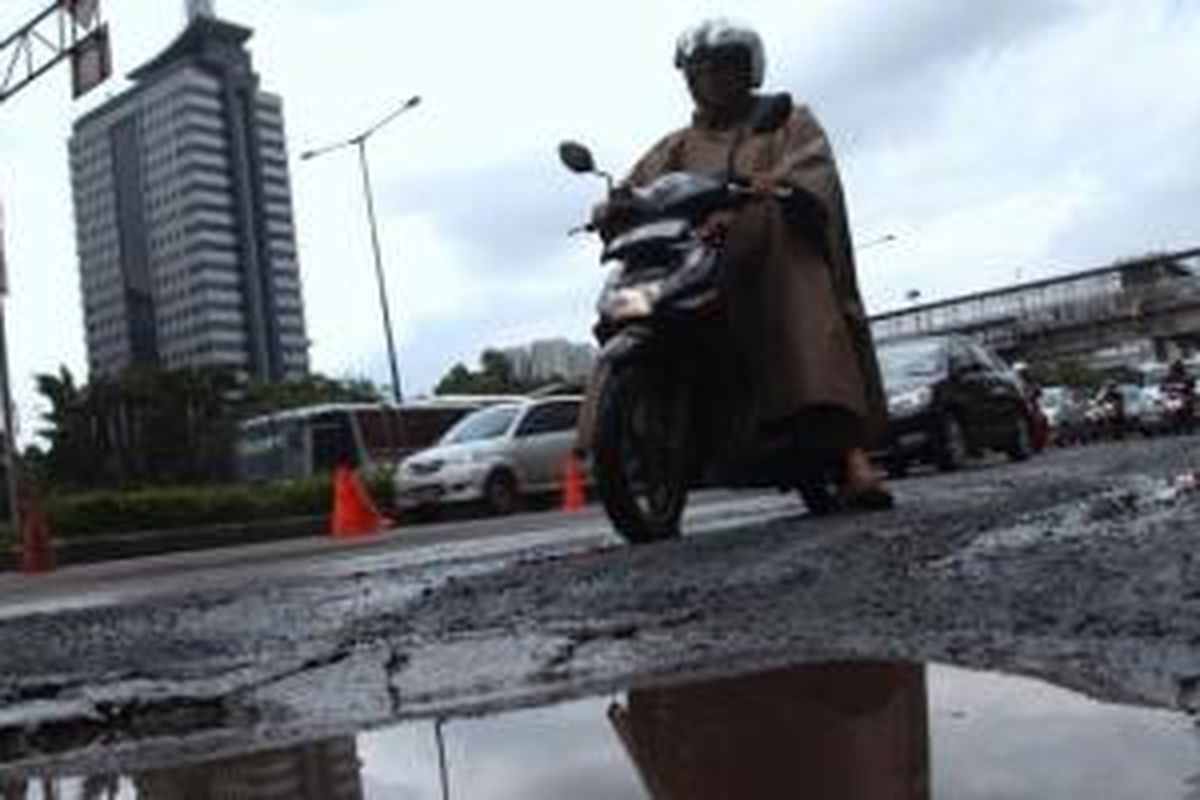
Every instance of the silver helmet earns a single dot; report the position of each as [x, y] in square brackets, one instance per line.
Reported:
[722, 33]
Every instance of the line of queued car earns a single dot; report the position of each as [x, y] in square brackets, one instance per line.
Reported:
[1080, 416]
[950, 399]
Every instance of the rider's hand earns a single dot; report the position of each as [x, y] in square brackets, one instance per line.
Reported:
[764, 185]
[714, 229]
[761, 184]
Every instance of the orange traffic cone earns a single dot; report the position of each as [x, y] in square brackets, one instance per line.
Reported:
[574, 493]
[37, 548]
[354, 513]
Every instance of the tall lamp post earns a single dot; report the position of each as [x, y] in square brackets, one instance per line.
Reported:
[11, 479]
[360, 141]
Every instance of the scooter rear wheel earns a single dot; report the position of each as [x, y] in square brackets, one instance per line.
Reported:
[640, 454]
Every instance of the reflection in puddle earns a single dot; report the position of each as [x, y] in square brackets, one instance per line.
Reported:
[860, 730]
[328, 770]
[832, 730]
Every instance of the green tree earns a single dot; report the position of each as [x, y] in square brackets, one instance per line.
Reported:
[142, 427]
[497, 368]
[72, 455]
[459, 380]
[495, 376]
[262, 398]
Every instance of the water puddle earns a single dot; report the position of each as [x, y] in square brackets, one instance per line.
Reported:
[852, 730]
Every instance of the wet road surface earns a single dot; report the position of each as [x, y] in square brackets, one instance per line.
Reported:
[1076, 567]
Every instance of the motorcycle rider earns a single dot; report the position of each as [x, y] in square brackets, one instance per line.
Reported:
[1111, 402]
[793, 302]
[1178, 377]
[1179, 382]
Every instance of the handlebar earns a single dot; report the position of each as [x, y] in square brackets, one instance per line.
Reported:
[737, 190]
[741, 190]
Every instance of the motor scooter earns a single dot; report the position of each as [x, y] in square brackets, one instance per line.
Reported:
[673, 402]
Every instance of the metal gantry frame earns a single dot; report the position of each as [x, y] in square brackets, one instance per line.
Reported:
[62, 30]
[66, 29]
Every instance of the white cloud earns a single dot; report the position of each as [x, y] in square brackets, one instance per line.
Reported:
[1046, 154]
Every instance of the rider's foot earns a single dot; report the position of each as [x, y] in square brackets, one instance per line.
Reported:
[863, 489]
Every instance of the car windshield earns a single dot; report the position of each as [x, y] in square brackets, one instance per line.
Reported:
[488, 423]
[901, 362]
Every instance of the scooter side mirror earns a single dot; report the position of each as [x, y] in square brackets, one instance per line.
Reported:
[576, 157]
[771, 111]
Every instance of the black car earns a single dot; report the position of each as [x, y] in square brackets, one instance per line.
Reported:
[950, 398]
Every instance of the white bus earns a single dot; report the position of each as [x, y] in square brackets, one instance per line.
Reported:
[311, 440]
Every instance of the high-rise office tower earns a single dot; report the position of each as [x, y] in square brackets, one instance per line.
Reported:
[183, 215]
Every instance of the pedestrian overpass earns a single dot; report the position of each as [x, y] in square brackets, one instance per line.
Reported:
[1148, 306]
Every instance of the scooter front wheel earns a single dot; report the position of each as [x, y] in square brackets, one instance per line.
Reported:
[640, 453]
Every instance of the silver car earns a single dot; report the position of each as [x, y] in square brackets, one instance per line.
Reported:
[495, 455]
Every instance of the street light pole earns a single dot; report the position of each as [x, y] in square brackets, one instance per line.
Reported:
[11, 464]
[360, 142]
[397, 392]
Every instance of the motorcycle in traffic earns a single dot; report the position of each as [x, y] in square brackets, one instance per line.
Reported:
[1179, 407]
[673, 405]
[1107, 415]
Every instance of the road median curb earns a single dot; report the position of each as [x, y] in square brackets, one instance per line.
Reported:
[91, 549]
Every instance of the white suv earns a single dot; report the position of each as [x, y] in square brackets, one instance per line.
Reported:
[495, 455]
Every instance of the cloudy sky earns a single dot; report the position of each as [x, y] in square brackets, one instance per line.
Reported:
[993, 141]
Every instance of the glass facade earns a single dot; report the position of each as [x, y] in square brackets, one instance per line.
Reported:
[184, 220]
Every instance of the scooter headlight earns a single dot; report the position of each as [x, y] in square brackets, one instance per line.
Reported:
[631, 302]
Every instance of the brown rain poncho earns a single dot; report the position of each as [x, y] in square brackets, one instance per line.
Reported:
[792, 297]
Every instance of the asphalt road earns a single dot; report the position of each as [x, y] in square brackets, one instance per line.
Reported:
[1076, 566]
[141, 579]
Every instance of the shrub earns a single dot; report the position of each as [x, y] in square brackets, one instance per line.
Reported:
[102, 513]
